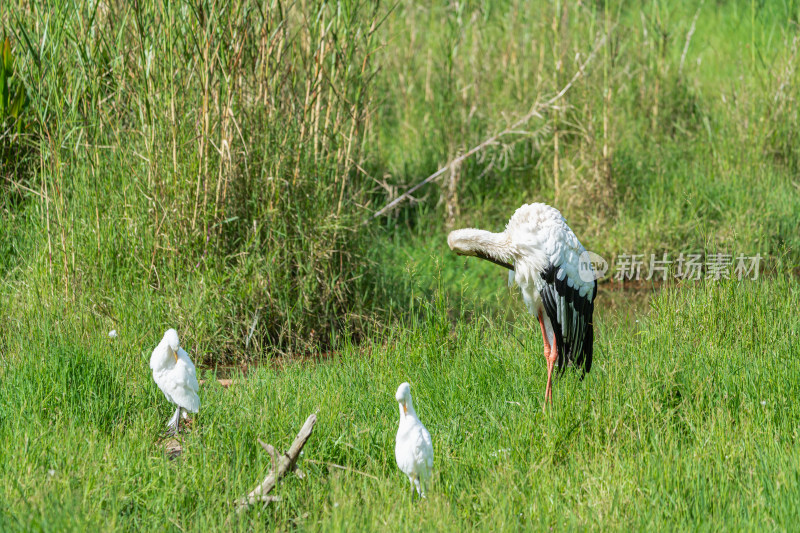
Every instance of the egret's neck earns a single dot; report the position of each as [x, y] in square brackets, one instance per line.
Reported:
[407, 411]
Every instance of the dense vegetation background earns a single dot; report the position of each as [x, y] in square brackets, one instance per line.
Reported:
[214, 166]
[217, 161]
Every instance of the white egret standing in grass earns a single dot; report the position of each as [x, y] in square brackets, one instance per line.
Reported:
[557, 284]
[174, 374]
[413, 448]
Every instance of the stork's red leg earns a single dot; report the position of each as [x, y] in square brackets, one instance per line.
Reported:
[550, 355]
[544, 337]
[551, 362]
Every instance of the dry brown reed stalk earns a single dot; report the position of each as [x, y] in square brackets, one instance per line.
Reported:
[557, 61]
[452, 210]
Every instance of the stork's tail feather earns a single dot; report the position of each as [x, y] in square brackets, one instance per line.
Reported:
[588, 345]
[574, 337]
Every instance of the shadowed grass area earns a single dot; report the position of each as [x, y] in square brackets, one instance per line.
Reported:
[688, 419]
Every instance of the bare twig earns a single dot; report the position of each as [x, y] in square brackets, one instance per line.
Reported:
[535, 111]
[280, 467]
[272, 453]
[689, 36]
[252, 329]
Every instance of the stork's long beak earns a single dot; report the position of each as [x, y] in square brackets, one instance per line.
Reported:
[493, 260]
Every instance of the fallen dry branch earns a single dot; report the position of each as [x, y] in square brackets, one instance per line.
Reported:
[536, 111]
[281, 465]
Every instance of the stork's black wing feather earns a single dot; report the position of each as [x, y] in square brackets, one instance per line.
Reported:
[575, 337]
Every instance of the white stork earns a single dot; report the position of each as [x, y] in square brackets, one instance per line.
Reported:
[544, 257]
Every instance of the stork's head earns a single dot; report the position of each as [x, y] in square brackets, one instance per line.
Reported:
[403, 397]
[466, 241]
[172, 342]
[494, 247]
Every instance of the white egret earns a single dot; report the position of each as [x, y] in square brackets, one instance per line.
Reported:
[413, 448]
[557, 281]
[175, 375]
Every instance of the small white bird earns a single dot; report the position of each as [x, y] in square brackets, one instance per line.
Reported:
[174, 374]
[413, 448]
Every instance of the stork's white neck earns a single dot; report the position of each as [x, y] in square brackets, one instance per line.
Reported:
[476, 242]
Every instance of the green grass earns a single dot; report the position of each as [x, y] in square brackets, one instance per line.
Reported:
[210, 166]
[688, 420]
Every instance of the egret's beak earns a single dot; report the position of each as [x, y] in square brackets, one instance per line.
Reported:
[405, 409]
[175, 353]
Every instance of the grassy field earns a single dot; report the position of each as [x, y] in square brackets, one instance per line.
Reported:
[688, 420]
[215, 167]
